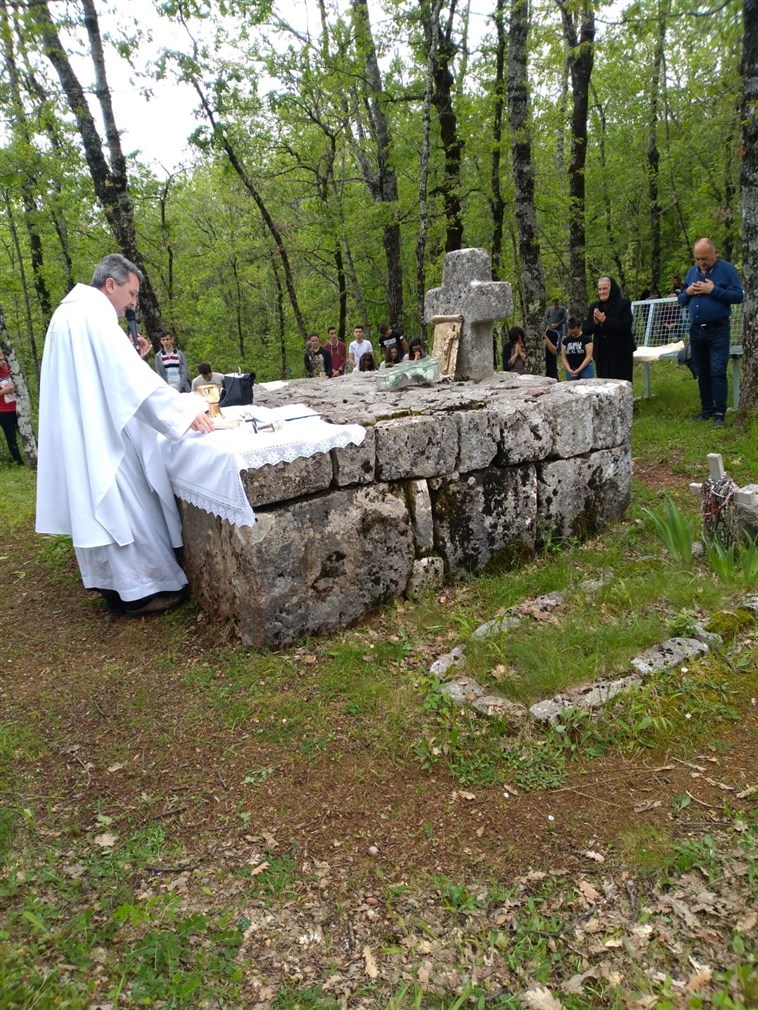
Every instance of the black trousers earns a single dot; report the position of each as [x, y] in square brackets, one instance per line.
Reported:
[9, 424]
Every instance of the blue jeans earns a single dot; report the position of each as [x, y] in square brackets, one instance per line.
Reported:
[710, 357]
[588, 373]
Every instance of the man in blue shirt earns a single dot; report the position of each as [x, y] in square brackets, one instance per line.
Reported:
[710, 289]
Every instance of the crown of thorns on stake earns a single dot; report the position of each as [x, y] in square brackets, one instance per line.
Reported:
[716, 506]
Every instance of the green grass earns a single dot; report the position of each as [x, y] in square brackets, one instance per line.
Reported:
[17, 491]
[595, 634]
[664, 431]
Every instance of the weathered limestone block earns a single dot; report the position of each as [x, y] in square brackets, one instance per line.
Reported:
[497, 626]
[477, 516]
[746, 510]
[282, 481]
[497, 454]
[450, 661]
[478, 436]
[668, 654]
[416, 447]
[525, 434]
[548, 710]
[612, 403]
[355, 464]
[420, 508]
[570, 417]
[427, 574]
[292, 573]
[463, 691]
[585, 698]
[579, 495]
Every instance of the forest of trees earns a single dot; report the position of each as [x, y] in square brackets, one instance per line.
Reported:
[334, 165]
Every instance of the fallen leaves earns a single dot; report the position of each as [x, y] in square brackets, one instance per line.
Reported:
[597, 857]
[588, 890]
[647, 805]
[369, 961]
[106, 841]
[699, 980]
[541, 999]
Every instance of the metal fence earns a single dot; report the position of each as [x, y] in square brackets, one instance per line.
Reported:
[663, 321]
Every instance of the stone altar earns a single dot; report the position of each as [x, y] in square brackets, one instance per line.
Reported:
[449, 478]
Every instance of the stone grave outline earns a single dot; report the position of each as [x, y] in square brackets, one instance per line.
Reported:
[590, 696]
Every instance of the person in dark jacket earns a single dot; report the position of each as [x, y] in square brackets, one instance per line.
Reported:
[317, 359]
[609, 324]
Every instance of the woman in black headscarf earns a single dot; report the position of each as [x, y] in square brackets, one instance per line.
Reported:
[609, 321]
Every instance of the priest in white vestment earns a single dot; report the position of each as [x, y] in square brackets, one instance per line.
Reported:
[101, 479]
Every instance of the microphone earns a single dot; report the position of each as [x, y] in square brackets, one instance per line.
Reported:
[132, 322]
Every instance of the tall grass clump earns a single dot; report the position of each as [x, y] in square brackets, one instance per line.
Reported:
[674, 531]
[735, 562]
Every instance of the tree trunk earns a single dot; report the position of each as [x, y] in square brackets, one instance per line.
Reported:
[383, 184]
[653, 157]
[23, 399]
[24, 285]
[748, 405]
[110, 182]
[497, 204]
[523, 174]
[580, 47]
[439, 42]
[673, 186]
[280, 321]
[169, 247]
[339, 264]
[728, 248]
[432, 42]
[579, 310]
[49, 126]
[20, 123]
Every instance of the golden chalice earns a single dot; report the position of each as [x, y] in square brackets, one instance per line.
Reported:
[212, 394]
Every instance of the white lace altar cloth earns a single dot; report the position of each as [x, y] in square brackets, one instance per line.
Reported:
[205, 469]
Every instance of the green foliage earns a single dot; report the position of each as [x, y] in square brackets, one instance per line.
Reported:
[161, 953]
[17, 503]
[674, 531]
[737, 563]
[309, 998]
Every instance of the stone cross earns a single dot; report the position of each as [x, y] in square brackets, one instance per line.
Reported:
[469, 291]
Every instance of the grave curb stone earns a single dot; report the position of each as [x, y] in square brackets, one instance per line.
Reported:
[449, 661]
[668, 654]
[463, 691]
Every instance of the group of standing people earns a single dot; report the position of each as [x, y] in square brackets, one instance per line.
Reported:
[332, 359]
[603, 343]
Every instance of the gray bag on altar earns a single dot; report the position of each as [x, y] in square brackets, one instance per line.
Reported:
[237, 390]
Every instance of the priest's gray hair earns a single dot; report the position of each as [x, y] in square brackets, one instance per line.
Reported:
[116, 266]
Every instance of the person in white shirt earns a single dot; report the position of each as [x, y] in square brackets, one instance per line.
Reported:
[358, 348]
[207, 377]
